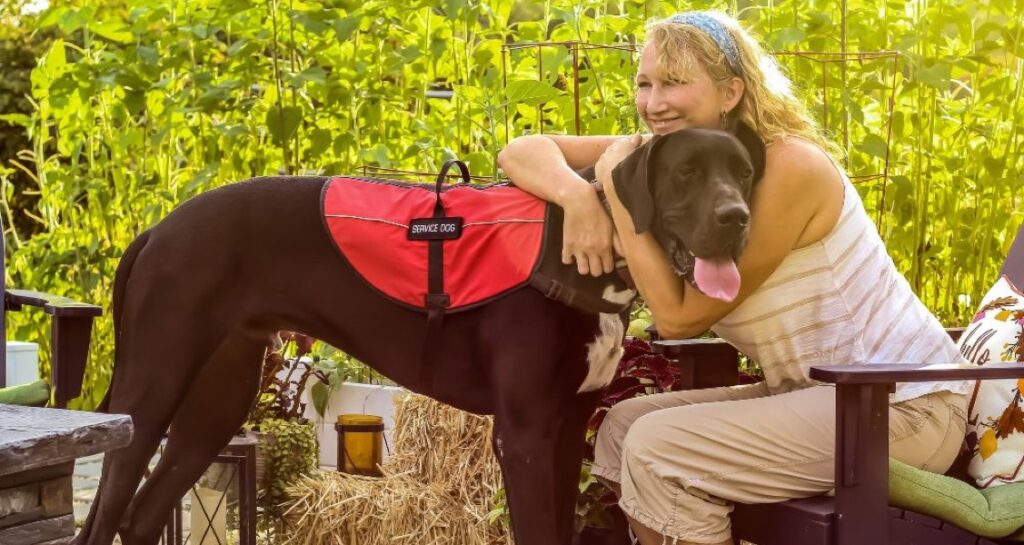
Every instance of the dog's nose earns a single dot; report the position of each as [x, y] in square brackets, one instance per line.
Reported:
[732, 215]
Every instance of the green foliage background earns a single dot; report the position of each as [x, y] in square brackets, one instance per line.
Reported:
[139, 106]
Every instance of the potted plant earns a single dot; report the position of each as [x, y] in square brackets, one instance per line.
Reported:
[287, 441]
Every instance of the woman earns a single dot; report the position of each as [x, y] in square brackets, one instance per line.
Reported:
[817, 288]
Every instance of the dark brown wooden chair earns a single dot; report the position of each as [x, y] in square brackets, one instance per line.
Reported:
[69, 334]
[859, 513]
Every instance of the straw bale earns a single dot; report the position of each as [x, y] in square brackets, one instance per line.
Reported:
[438, 486]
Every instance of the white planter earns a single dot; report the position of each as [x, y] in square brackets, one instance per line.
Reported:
[22, 363]
[352, 398]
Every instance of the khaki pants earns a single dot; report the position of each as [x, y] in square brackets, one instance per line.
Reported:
[683, 457]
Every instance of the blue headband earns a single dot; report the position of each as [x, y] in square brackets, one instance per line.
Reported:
[716, 31]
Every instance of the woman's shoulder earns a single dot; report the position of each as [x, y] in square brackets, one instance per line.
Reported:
[793, 164]
[798, 156]
[798, 167]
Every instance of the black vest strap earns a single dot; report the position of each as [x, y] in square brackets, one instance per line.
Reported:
[436, 299]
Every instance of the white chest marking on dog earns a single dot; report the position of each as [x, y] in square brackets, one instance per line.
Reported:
[604, 353]
[618, 297]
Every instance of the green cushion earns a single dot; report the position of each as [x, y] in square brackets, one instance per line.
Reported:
[992, 512]
[33, 394]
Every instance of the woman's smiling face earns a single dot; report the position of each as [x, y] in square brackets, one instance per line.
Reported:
[668, 105]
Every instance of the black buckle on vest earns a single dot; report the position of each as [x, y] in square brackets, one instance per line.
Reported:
[437, 300]
[554, 291]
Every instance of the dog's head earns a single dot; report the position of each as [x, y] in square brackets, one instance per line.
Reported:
[691, 189]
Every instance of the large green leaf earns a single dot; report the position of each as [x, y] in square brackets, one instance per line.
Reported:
[283, 122]
[16, 119]
[936, 76]
[113, 30]
[344, 27]
[875, 145]
[320, 393]
[530, 92]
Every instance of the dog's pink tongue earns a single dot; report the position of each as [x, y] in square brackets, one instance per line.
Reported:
[717, 278]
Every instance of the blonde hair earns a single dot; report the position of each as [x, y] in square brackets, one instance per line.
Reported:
[767, 105]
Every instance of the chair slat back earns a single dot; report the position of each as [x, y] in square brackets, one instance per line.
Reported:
[1013, 268]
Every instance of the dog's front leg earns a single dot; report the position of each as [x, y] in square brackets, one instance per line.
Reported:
[541, 462]
[527, 457]
[539, 442]
[535, 367]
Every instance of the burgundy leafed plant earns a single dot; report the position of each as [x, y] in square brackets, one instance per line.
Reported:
[282, 397]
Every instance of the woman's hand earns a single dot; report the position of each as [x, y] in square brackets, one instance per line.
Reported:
[587, 234]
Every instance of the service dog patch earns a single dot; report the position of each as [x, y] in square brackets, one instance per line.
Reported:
[435, 229]
[492, 236]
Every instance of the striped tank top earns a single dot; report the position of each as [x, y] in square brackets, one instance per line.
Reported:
[839, 301]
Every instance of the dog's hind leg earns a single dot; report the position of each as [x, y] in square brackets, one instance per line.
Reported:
[151, 402]
[124, 268]
[214, 408]
[155, 365]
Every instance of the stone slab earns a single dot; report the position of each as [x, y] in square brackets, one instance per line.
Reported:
[43, 531]
[32, 437]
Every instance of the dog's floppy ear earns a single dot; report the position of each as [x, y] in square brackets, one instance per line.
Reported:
[754, 145]
[633, 184]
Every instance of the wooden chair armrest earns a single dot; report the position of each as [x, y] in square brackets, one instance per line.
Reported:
[891, 373]
[53, 305]
[70, 333]
[862, 435]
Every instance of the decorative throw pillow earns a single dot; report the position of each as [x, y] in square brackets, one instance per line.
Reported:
[995, 425]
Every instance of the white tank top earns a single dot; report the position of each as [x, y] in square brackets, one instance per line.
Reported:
[839, 301]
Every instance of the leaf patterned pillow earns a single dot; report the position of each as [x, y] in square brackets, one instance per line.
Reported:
[995, 425]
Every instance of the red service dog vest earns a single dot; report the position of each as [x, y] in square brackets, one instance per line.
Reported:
[492, 237]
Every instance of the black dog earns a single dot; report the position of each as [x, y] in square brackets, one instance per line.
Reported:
[197, 297]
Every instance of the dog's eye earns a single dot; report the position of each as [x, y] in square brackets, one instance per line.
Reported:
[748, 173]
[687, 172]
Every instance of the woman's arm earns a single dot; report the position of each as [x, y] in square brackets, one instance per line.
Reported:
[543, 166]
[797, 182]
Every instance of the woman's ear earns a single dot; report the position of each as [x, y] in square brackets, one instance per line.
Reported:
[732, 93]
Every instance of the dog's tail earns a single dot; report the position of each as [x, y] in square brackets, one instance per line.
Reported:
[124, 271]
